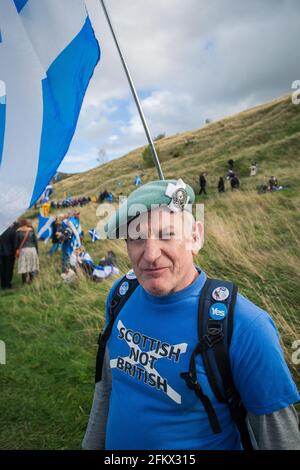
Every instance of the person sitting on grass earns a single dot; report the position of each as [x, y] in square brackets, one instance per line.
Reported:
[273, 184]
[109, 259]
[81, 260]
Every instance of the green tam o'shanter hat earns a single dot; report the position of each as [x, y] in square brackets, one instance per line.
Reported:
[176, 195]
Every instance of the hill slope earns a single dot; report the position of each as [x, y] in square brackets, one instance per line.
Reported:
[50, 328]
[268, 134]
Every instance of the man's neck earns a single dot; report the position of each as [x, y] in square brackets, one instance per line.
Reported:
[188, 280]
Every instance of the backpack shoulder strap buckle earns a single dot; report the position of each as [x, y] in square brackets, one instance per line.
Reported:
[212, 340]
[214, 334]
[190, 380]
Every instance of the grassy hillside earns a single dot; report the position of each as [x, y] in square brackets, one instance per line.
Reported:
[268, 134]
[50, 328]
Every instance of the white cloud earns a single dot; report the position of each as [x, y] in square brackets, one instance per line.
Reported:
[2, 88]
[81, 161]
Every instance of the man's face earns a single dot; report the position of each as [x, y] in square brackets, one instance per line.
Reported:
[161, 246]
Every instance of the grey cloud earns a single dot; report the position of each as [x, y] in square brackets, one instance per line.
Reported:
[200, 58]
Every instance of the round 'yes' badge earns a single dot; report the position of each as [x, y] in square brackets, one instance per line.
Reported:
[124, 288]
[218, 311]
[220, 293]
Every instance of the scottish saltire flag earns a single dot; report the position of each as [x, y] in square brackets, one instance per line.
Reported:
[48, 191]
[72, 223]
[48, 53]
[45, 227]
[137, 180]
[94, 234]
[2, 112]
[103, 272]
[86, 258]
[57, 177]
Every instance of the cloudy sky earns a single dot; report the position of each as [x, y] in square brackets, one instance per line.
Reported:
[190, 60]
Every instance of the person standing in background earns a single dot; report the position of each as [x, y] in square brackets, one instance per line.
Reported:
[253, 169]
[7, 256]
[56, 234]
[202, 182]
[221, 185]
[27, 251]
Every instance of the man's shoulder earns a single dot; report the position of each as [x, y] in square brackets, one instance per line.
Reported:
[248, 317]
[127, 278]
[246, 313]
[113, 287]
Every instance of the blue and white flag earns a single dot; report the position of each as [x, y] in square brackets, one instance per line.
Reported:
[103, 272]
[45, 227]
[94, 234]
[74, 242]
[48, 191]
[48, 52]
[137, 180]
[57, 177]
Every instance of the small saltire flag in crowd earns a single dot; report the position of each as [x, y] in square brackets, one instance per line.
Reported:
[72, 224]
[94, 234]
[48, 52]
[45, 227]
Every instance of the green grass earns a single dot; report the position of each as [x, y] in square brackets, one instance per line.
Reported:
[51, 328]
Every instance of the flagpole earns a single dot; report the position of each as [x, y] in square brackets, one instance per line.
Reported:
[135, 96]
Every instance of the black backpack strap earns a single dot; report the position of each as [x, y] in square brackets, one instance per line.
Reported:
[215, 336]
[215, 326]
[192, 382]
[124, 289]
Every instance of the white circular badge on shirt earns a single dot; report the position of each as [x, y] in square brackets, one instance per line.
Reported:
[123, 288]
[220, 293]
[131, 274]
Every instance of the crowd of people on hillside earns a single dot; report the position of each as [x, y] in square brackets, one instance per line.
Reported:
[67, 237]
[19, 243]
[105, 196]
[232, 178]
[70, 202]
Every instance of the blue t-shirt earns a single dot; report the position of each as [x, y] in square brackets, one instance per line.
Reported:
[151, 343]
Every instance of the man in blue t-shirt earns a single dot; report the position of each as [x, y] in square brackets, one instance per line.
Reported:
[142, 402]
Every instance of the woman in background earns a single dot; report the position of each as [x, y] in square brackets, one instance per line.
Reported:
[27, 251]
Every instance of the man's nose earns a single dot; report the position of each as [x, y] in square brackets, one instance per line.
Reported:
[152, 250]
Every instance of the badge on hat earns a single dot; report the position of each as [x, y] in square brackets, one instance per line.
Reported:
[178, 194]
[220, 293]
[131, 274]
[124, 288]
[218, 311]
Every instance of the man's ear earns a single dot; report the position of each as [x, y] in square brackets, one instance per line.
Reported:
[198, 238]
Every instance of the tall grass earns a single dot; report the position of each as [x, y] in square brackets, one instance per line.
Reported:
[253, 240]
